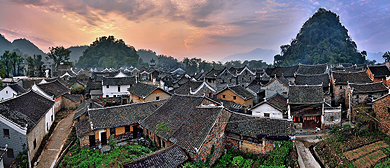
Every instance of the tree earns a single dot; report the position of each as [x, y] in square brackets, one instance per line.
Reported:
[59, 55]
[386, 56]
[38, 63]
[30, 63]
[7, 63]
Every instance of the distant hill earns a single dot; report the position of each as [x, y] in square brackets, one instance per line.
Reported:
[322, 39]
[147, 55]
[257, 54]
[375, 56]
[24, 45]
[76, 52]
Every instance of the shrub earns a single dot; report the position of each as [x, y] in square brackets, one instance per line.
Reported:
[248, 163]
[238, 161]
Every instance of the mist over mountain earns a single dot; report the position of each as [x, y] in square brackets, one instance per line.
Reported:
[76, 52]
[24, 45]
[266, 55]
[377, 56]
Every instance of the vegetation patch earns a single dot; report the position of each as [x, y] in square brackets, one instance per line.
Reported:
[370, 159]
[354, 154]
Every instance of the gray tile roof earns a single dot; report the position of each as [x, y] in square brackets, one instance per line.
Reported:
[73, 97]
[170, 157]
[188, 124]
[284, 71]
[123, 115]
[316, 79]
[82, 127]
[27, 108]
[185, 88]
[247, 125]
[143, 90]
[17, 88]
[379, 71]
[83, 108]
[305, 94]
[54, 88]
[240, 91]
[312, 69]
[118, 81]
[342, 78]
[368, 87]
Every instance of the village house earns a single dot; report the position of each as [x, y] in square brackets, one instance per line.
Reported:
[287, 72]
[195, 124]
[237, 94]
[53, 90]
[312, 69]
[273, 107]
[278, 85]
[94, 89]
[221, 78]
[24, 121]
[255, 88]
[121, 122]
[141, 92]
[115, 87]
[339, 82]
[244, 75]
[195, 88]
[82, 109]
[382, 112]
[10, 91]
[306, 105]
[379, 73]
[316, 79]
[71, 101]
[251, 134]
[363, 93]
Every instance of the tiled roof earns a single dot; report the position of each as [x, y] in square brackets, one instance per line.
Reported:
[182, 80]
[239, 91]
[316, 79]
[255, 86]
[29, 82]
[28, 108]
[284, 71]
[368, 87]
[342, 78]
[379, 71]
[116, 116]
[54, 88]
[188, 124]
[83, 108]
[281, 80]
[170, 157]
[312, 69]
[118, 81]
[17, 88]
[73, 97]
[82, 127]
[93, 86]
[247, 125]
[214, 73]
[143, 90]
[305, 94]
[278, 101]
[185, 88]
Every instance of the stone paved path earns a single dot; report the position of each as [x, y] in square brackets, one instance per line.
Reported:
[305, 158]
[56, 141]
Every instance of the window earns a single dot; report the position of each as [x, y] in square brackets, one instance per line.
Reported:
[388, 109]
[114, 95]
[341, 87]
[51, 117]
[6, 92]
[163, 144]
[119, 88]
[234, 97]
[6, 133]
[266, 115]
[357, 96]
[223, 96]
[10, 153]
[127, 128]
[157, 97]
[106, 95]
[112, 131]
[35, 143]
[108, 86]
[47, 126]
[331, 118]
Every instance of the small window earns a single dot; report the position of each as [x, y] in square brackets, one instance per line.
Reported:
[357, 96]
[119, 88]
[266, 115]
[223, 96]
[114, 95]
[35, 143]
[388, 109]
[108, 86]
[6, 92]
[157, 97]
[163, 143]
[106, 95]
[47, 126]
[6, 133]
[127, 128]
[112, 131]
[341, 87]
[10, 153]
[234, 97]
[52, 118]
[331, 118]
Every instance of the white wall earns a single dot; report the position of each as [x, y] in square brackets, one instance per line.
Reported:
[273, 88]
[266, 108]
[6, 93]
[48, 121]
[113, 90]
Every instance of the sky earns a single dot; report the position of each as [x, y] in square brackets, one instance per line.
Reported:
[207, 29]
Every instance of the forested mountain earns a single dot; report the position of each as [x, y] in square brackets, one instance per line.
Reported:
[256, 54]
[146, 55]
[76, 52]
[25, 47]
[108, 52]
[322, 39]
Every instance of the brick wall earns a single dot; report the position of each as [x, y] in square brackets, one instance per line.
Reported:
[339, 94]
[381, 109]
[57, 104]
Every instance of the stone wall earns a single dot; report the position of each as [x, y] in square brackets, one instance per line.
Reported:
[37, 134]
[382, 111]
[15, 140]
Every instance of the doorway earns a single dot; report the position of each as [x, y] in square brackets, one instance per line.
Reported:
[103, 135]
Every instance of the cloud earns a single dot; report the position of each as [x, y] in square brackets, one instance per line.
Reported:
[15, 34]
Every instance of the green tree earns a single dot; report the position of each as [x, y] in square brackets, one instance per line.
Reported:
[30, 63]
[59, 55]
[38, 63]
[7, 63]
[386, 56]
